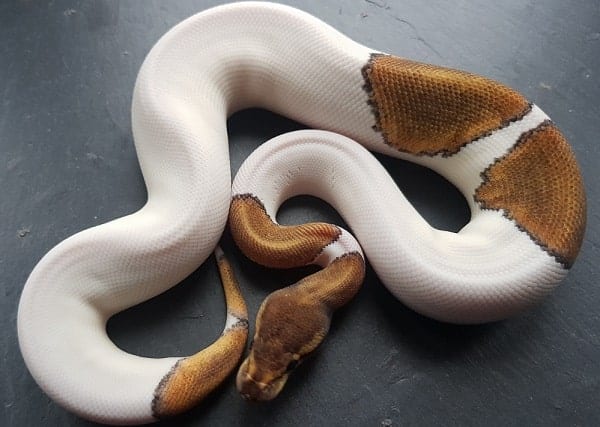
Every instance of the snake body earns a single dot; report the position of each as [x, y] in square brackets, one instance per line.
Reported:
[514, 167]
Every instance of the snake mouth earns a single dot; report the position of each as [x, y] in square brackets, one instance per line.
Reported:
[254, 390]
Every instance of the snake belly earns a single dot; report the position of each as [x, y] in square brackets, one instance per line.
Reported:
[514, 167]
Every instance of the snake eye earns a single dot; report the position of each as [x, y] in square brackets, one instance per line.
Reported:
[292, 365]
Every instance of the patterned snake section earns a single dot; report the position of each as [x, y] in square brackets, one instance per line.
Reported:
[293, 321]
[426, 110]
[423, 109]
[191, 379]
[538, 185]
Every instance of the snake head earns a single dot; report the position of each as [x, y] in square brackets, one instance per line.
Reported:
[289, 326]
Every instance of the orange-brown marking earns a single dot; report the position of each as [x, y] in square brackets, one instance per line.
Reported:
[292, 322]
[539, 186]
[427, 110]
[194, 377]
[235, 300]
[275, 245]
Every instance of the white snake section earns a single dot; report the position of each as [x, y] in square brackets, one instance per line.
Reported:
[204, 69]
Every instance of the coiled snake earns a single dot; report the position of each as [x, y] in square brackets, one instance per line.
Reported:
[509, 160]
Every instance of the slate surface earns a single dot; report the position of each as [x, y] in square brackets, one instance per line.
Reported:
[67, 162]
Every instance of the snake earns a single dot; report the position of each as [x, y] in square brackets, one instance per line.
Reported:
[517, 172]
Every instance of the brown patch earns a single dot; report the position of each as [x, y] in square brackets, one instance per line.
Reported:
[293, 321]
[336, 284]
[193, 378]
[233, 295]
[275, 245]
[539, 186]
[427, 110]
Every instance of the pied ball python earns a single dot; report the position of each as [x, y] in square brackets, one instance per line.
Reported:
[514, 167]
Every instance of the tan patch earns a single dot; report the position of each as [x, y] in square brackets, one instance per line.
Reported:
[275, 245]
[233, 295]
[193, 378]
[427, 110]
[539, 186]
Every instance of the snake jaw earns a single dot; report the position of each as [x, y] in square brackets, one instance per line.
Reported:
[256, 390]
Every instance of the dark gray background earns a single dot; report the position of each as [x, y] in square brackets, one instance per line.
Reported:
[67, 162]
